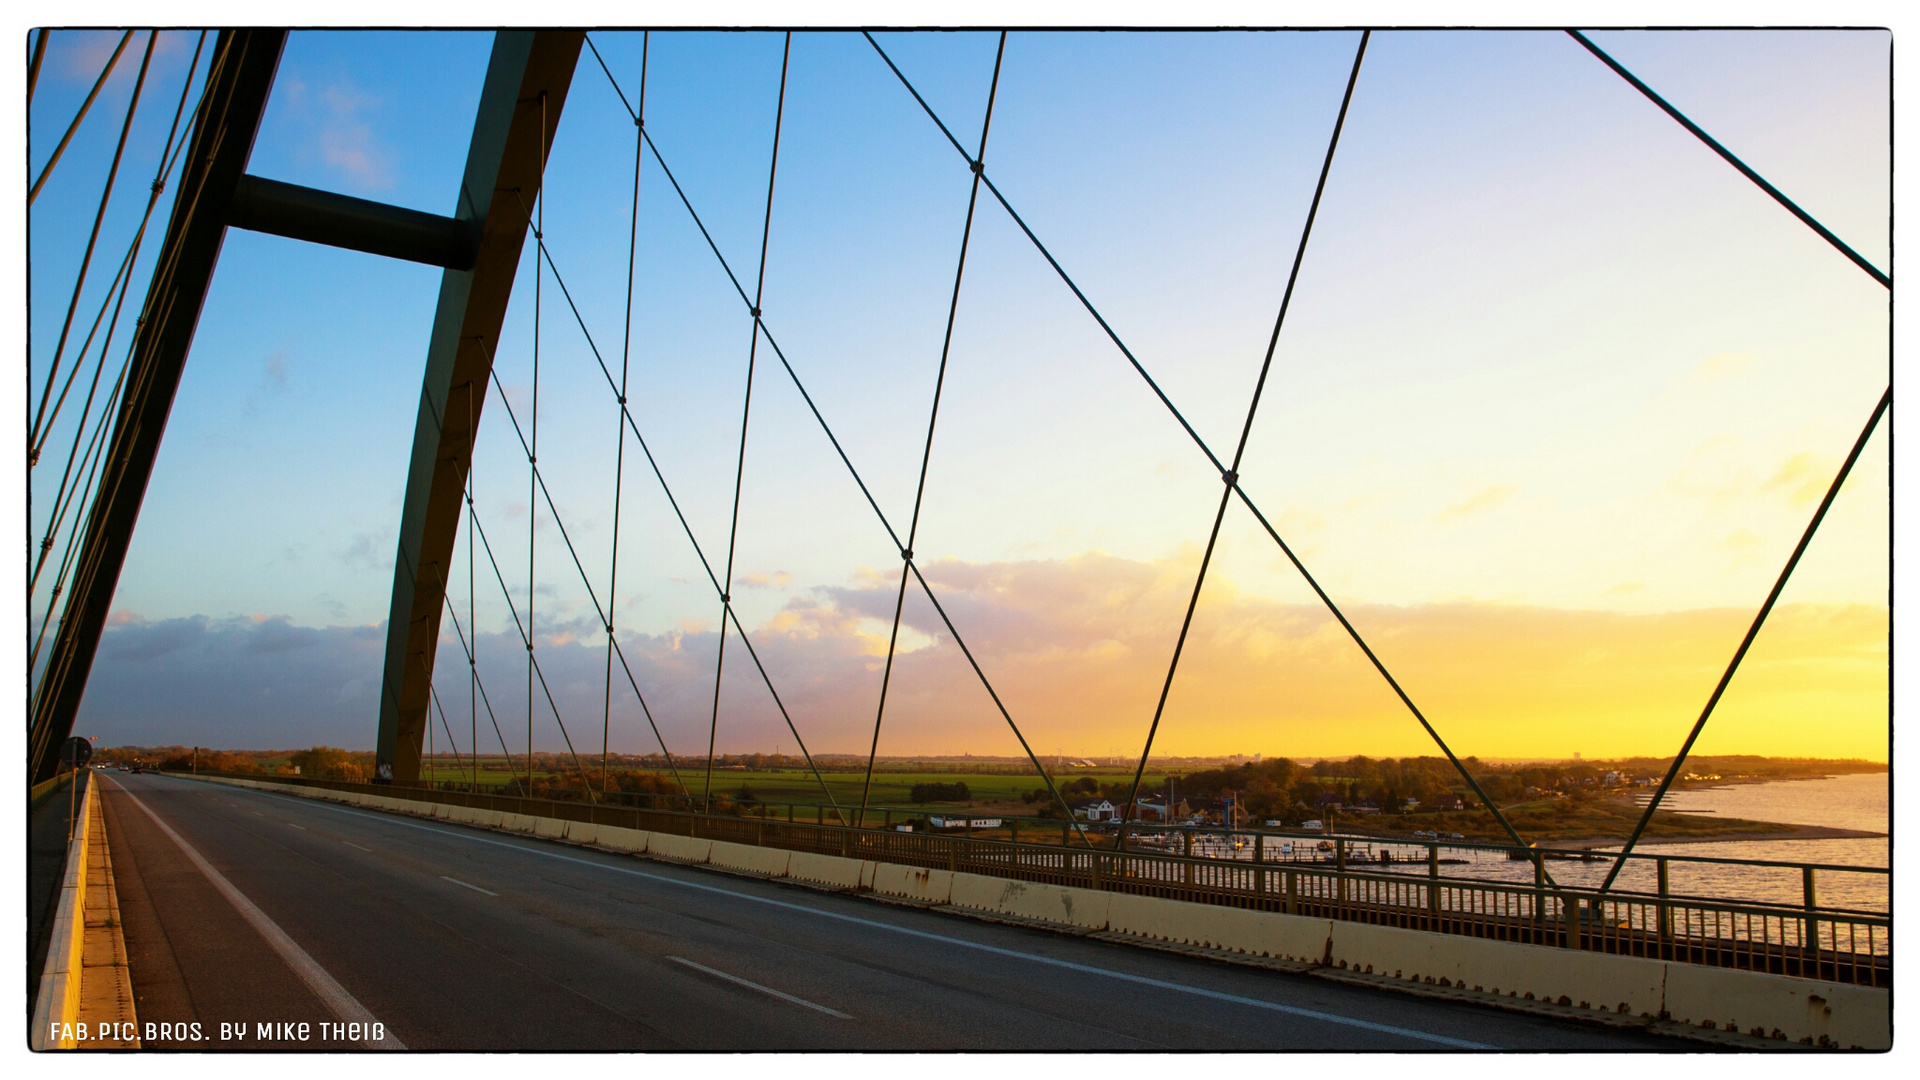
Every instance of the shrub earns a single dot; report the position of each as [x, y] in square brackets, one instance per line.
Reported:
[931, 792]
[329, 763]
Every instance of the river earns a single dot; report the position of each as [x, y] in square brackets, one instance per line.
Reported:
[1858, 801]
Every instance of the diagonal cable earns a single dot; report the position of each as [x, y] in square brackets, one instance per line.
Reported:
[1753, 631]
[603, 614]
[1352, 632]
[86, 260]
[64, 498]
[169, 154]
[94, 456]
[526, 637]
[531, 659]
[1232, 474]
[473, 667]
[533, 450]
[451, 742]
[619, 428]
[1714, 144]
[47, 169]
[33, 62]
[933, 416]
[733, 617]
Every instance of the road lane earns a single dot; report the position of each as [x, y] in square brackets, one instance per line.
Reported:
[193, 958]
[581, 949]
[341, 1004]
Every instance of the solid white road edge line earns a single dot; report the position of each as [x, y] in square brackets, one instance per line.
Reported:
[325, 987]
[1141, 980]
[756, 986]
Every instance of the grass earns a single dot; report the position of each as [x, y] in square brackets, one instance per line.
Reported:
[996, 790]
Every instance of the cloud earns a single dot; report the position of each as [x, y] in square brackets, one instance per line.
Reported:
[776, 580]
[347, 143]
[254, 681]
[367, 551]
[1801, 479]
[1718, 368]
[1077, 650]
[336, 116]
[272, 384]
[1485, 500]
[84, 52]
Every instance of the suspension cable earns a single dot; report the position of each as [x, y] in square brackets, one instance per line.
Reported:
[64, 499]
[33, 62]
[94, 455]
[473, 669]
[1753, 631]
[451, 743]
[933, 416]
[533, 451]
[169, 153]
[1231, 475]
[47, 169]
[821, 420]
[1714, 144]
[86, 260]
[619, 428]
[1245, 499]
[604, 614]
[532, 662]
[526, 638]
[667, 490]
[746, 414]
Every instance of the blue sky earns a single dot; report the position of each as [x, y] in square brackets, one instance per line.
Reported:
[1547, 355]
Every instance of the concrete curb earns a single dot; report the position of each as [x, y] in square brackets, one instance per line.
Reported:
[56, 1008]
[106, 983]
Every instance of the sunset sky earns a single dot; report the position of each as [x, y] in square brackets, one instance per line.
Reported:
[1558, 391]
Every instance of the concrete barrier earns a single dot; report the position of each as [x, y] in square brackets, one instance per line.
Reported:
[913, 882]
[829, 870]
[758, 860]
[1257, 933]
[684, 849]
[631, 841]
[1615, 984]
[1752, 1003]
[1799, 1010]
[1061, 904]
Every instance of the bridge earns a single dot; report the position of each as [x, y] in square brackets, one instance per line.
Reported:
[535, 910]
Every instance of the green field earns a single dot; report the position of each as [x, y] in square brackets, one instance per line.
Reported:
[997, 790]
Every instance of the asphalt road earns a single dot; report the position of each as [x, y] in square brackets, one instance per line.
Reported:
[454, 938]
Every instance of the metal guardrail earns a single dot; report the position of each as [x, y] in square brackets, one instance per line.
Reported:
[1809, 941]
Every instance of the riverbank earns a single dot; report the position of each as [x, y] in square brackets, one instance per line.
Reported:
[1777, 832]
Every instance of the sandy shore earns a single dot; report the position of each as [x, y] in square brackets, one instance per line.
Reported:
[1794, 832]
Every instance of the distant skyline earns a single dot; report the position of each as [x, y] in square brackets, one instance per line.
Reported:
[1556, 395]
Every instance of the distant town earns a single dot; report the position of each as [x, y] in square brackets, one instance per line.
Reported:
[1419, 796]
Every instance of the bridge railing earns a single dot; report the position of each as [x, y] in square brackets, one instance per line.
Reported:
[1809, 940]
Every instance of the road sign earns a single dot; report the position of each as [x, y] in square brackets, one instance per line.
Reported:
[75, 752]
